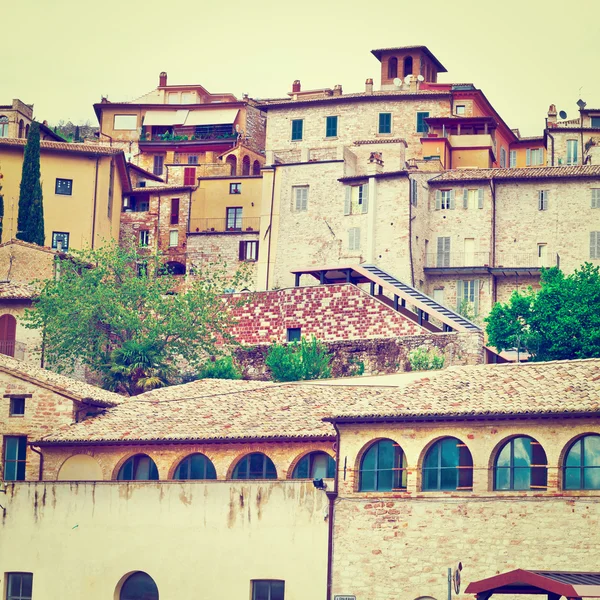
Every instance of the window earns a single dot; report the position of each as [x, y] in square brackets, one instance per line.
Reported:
[542, 255]
[443, 252]
[174, 211]
[316, 465]
[444, 200]
[385, 122]
[414, 192]
[300, 198]
[246, 166]
[473, 198]
[571, 152]
[19, 586]
[422, 126]
[144, 237]
[138, 468]
[582, 464]
[3, 126]
[594, 244]
[142, 269]
[189, 176]
[60, 240]
[234, 218]
[255, 466]
[408, 66]
[595, 122]
[17, 407]
[383, 468]
[64, 187]
[543, 200]
[297, 125]
[15, 457]
[392, 68]
[448, 466]
[513, 159]
[266, 589]
[521, 465]
[192, 159]
[142, 204]
[248, 250]
[125, 122]
[173, 238]
[331, 127]
[186, 97]
[467, 291]
[256, 167]
[139, 586]
[596, 198]
[502, 158]
[438, 295]
[460, 110]
[357, 199]
[158, 166]
[173, 97]
[534, 158]
[195, 466]
[235, 188]
[294, 334]
[354, 238]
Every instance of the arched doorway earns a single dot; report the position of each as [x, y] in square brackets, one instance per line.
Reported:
[232, 162]
[8, 330]
[139, 586]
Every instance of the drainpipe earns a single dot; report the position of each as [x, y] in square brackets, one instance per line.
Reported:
[552, 138]
[493, 240]
[95, 200]
[410, 246]
[331, 496]
[270, 228]
[41, 471]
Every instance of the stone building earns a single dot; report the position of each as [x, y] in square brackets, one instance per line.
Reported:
[16, 118]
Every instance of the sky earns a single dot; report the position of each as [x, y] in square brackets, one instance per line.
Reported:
[523, 54]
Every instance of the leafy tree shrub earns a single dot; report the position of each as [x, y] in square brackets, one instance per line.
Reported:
[220, 368]
[425, 360]
[295, 362]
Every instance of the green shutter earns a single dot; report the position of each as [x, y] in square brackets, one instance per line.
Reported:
[459, 293]
[348, 200]
[480, 197]
[438, 200]
[528, 157]
[331, 127]
[365, 197]
[465, 198]
[451, 199]
[594, 243]
[596, 198]
[476, 297]
[385, 122]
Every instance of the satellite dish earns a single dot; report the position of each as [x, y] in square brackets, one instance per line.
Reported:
[562, 114]
[397, 82]
[408, 78]
[581, 104]
[420, 78]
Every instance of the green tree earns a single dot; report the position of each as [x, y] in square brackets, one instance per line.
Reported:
[30, 223]
[220, 368]
[115, 312]
[294, 362]
[558, 322]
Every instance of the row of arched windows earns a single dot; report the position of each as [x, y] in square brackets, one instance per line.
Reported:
[520, 464]
[315, 465]
[231, 160]
[4, 121]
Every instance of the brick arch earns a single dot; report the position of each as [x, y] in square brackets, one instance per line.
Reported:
[298, 458]
[362, 452]
[125, 458]
[181, 456]
[428, 447]
[246, 452]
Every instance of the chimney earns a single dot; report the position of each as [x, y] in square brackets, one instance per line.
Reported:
[551, 120]
[369, 86]
[337, 90]
[296, 86]
[162, 79]
[375, 164]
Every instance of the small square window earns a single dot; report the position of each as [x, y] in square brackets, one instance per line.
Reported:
[60, 240]
[17, 407]
[385, 122]
[595, 122]
[460, 109]
[248, 251]
[331, 127]
[297, 127]
[19, 586]
[294, 334]
[235, 188]
[144, 237]
[193, 159]
[173, 238]
[64, 187]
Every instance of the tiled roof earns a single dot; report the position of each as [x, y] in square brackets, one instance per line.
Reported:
[16, 291]
[29, 245]
[77, 390]
[219, 410]
[378, 52]
[65, 147]
[557, 387]
[145, 173]
[528, 173]
[162, 188]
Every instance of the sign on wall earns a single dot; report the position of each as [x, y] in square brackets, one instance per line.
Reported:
[344, 597]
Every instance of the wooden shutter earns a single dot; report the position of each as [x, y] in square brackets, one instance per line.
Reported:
[465, 198]
[438, 199]
[480, 197]
[8, 330]
[189, 176]
[476, 297]
[596, 198]
[414, 192]
[304, 198]
[348, 200]
[459, 293]
[451, 199]
[242, 251]
[354, 238]
[365, 197]
[443, 252]
[174, 211]
[528, 157]
[594, 245]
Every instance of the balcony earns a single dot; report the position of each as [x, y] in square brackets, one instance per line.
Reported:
[12, 348]
[189, 135]
[457, 262]
[524, 263]
[211, 226]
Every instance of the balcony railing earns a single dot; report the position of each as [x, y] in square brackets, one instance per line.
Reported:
[12, 348]
[527, 260]
[453, 260]
[190, 134]
[243, 225]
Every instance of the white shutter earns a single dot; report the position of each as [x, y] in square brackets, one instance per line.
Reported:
[476, 297]
[304, 198]
[348, 200]
[354, 238]
[528, 157]
[452, 199]
[480, 197]
[365, 197]
[594, 244]
[438, 200]
[513, 158]
[465, 198]
[459, 293]
[596, 198]
[414, 191]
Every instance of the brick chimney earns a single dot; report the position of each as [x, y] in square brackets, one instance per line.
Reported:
[551, 120]
[369, 86]
[337, 90]
[375, 164]
[162, 79]
[296, 86]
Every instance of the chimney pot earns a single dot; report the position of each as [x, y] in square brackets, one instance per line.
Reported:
[369, 86]
[337, 90]
[162, 79]
[551, 120]
[296, 86]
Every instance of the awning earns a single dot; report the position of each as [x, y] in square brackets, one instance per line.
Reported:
[165, 117]
[217, 116]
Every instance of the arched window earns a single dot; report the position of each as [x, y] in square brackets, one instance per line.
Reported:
[383, 468]
[26, 130]
[3, 126]
[393, 68]
[256, 168]
[408, 66]
[195, 466]
[582, 464]
[8, 331]
[138, 468]
[255, 466]
[316, 465]
[521, 465]
[139, 586]
[21, 128]
[175, 268]
[448, 466]
[246, 165]
[231, 160]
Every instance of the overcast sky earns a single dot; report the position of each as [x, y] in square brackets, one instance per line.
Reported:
[524, 54]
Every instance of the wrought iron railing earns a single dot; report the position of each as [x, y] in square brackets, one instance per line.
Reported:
[527, 260]
[451, 260]
[12, 348]
[241, 225]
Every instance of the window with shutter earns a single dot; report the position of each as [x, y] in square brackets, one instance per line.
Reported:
[594, 244]
[414, 192]
[596, 198]
[348, 200]
[502, 158]
[385, 122]
[422, 126]
[189, 176]
[354, 238]
[331, 127]
[528, 157]
[572, 152]
[248, 251]
[174, 211]
[364, 197]
[465, 198]
[443, 252]
[542, 200]
[444, 200]
[513, 159]
[300, 195]
[297, 127]
[480, 197]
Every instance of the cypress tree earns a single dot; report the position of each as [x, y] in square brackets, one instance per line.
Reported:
[30, 222]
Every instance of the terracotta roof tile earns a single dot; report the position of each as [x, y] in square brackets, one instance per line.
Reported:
[527, 173]
[65, 147]
[162, 188]
[10, 290]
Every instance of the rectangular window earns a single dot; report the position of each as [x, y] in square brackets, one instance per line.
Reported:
[60, 240]
[594, 244]
[438, 295]
[248, 251]
[144, 237]
[300, 198]
[142, 269]
[19, 586]
[571, 152]
[444, 200]
[543, 200]
[354, 238]
[467, 292]
[385, 122]
[294, 334]
[189, 176]
[234, 218]
[64, 187]
[17, 407]
[513, 159]
[422, 127]
[297, 126]
[596, 122]
[502, 158]
[173, 238]
[460, 110]
[596, 198]
[174, 211]
[414, 192]
[543, 255]
[534, 158]
[443, 252]
[186, 97]
[125, 122]
[159, 162]
[15, 457]
[331, 127]
[193, 159]
[235, 188]
[142, 204]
